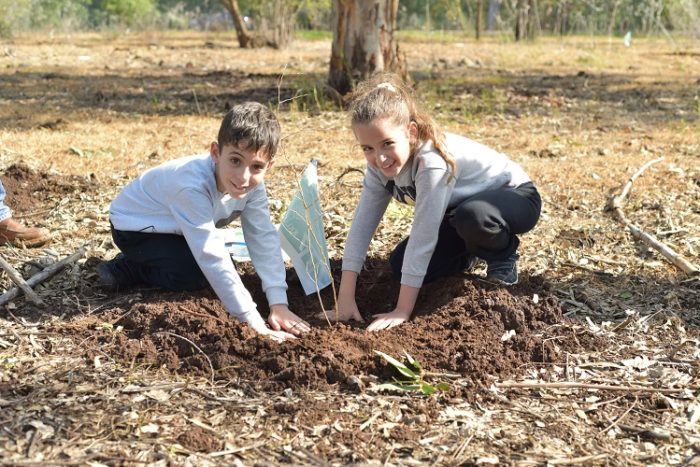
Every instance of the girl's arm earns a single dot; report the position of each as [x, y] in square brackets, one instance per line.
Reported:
[347, 306]
[433, 194]
[374, 200]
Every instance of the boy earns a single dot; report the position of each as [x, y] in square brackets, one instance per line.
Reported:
[166, 222]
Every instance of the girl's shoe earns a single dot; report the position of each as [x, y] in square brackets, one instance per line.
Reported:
[503, 271]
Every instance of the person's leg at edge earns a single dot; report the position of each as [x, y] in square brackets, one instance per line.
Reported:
[162, 260]
[13, 232]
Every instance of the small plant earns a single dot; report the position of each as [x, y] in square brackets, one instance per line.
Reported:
[414, 377]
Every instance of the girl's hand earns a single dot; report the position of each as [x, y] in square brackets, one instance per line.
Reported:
[388, 320]
[347, 310]
[281, 318]
[277, 336]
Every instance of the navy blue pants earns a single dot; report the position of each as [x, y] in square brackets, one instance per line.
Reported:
[485, 225]
[163, 260]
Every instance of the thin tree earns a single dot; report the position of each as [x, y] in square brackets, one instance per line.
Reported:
[245, 39]
[363, 42]
[277, 23]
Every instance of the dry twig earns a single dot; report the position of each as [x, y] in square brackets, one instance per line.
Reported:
[601, 387]
[17, 279]
[43, 275]
[616, 204]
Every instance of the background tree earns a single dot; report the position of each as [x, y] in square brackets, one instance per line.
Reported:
[274, 21]
[245, 39]
[363, 42]
[527, 21]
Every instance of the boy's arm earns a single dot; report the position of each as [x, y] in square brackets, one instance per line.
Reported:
[264, 246]
[193, 211]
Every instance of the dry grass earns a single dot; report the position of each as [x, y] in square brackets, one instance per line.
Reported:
[580, 114]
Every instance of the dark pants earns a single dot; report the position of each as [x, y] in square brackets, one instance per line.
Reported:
[485, 225]
[163, 260]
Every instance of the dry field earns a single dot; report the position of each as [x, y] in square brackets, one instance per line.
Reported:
[603, 366]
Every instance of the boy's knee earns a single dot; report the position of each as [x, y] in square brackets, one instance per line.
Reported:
[181, 281]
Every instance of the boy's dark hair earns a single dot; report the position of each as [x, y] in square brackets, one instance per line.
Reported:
[250, 125]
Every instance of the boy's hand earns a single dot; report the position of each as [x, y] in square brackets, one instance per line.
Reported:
[388, 320]
[281, 318]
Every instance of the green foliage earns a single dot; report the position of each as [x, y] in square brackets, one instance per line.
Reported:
[553, 16]
[123, 12]
[414, 376]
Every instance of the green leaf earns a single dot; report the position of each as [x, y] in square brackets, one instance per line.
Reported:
[412, 361]
[427, 389]
[443, 386]
[403, 369]
[626, 295]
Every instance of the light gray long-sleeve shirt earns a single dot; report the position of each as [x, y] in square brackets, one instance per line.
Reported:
[180, 197]
[423, 183]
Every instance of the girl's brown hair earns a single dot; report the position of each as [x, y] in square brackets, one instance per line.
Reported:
[385, 95]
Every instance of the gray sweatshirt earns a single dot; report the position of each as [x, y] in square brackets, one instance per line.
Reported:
[422, 183]
[181, 197]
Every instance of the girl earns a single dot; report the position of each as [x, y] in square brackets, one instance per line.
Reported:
[470, 201]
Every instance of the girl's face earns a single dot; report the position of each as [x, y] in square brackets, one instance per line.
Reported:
[239, 170]
[386, 145]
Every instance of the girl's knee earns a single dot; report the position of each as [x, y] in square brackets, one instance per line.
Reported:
[473, 218]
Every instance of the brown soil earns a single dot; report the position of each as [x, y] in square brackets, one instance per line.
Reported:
[458, 326]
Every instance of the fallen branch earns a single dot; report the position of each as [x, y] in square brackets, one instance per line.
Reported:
[19, 280]
[616, 204]
[43, 275]
[590, 386]
[649, 434]
[577, 460]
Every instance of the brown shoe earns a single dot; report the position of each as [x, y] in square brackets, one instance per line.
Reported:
[15, 233]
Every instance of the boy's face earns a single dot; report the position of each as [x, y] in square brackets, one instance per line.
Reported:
[239, 170]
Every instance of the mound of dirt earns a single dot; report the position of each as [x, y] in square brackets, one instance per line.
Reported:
[461, 325]
[30, 192]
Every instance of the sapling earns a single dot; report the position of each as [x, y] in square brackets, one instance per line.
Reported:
[414, 376]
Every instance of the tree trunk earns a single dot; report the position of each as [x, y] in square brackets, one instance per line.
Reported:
[613, 14]
[245, 40]
[521, 19]
[478, 19]
[363, 42]
[527, 21]
[534, 27]
[283, 26]
[492, 15]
